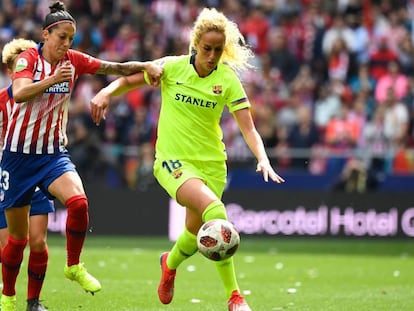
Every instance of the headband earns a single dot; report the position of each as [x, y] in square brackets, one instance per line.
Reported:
[59, 22]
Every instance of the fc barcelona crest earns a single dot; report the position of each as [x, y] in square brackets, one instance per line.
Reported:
[217, 89]
[177, 173]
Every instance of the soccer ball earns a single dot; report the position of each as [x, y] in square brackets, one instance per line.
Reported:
[218, 239]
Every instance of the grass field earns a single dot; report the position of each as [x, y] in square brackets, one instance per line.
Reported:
[274, 273]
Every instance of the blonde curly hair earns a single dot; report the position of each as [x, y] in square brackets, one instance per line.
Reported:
[236, 52]
[13, 48]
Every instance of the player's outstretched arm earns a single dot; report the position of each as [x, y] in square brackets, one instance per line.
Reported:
[100, 102]
[255, 143]
[129, 68]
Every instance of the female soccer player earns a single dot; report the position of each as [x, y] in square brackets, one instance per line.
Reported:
[40, 205]
[190, 155]
[34, 151]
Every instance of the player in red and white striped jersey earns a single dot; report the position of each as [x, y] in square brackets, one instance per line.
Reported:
[40, 205]
[6, 103]
[34, 152]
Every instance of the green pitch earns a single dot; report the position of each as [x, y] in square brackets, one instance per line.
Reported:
[274, 274]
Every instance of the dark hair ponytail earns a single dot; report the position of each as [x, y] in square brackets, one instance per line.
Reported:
[57, 6]
[58, 13]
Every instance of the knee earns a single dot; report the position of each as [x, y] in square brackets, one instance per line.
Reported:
[37, 243]
[77, 203]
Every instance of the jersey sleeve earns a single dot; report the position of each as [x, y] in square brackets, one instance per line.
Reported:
[25, 64]
[236, 97]
[84, 63]
[162, 63]
[3, 101]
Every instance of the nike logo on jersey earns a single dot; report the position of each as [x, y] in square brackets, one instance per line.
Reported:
[179, 83]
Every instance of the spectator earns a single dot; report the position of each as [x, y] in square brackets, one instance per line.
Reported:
[396, 120]
[355, 178]
[141, 129]
[379, 58]
[6, 30]
[357, 113]
[362, 88]
[88, 37]
[405, 52]
[327, 105]
[124, 46]
[169, 12]
[393, 30]
[145, 177]
[303, 136]
[392, 78]
[287, 116]
[338, 30]
[271, 82]
[314, 19]
[85, 151]
[408, 100]
[266, 125]
[341, 137]
[362, 81]
[375, 142]
[138, 165]
[255, 29]
[296, 34]
[361, 43]
[304, 85]
[403, 161]
[342, 132]
[280, 56]
[281, 154]
[339, 61]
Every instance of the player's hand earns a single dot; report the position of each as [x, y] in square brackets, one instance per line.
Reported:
[64, 72]
[154, 73]
[99, 105]
[268, 171]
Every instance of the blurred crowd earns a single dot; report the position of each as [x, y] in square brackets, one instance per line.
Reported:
[332, 90]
